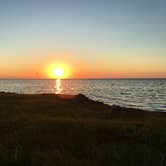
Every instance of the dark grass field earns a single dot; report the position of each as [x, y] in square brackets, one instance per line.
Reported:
[51, 130]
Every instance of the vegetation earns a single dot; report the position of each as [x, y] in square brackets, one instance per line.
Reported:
[47, 130]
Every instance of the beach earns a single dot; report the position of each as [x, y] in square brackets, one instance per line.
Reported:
[49, 129]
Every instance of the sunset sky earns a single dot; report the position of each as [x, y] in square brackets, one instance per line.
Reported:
[93, 38]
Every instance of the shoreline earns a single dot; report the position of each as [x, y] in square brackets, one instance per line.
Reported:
[80, 97]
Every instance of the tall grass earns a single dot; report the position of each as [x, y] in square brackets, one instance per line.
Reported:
[44, 130]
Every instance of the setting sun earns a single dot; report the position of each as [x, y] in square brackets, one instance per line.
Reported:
[58, 71]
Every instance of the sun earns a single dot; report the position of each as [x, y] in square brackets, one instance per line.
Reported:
[58, 71]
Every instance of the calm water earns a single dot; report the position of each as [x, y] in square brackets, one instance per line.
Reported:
[139, 93]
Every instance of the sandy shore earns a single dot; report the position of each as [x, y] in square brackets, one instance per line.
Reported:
[48, 129]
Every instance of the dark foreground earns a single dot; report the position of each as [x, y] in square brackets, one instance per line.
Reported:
[49, 130]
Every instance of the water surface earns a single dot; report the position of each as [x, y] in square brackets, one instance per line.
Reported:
[149, 94]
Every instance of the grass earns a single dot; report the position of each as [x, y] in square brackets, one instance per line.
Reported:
[46, 130]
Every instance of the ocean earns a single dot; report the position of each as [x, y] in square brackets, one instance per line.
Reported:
[148, 94]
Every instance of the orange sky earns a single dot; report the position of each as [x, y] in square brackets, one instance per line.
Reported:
[80, 66]
[80, 69]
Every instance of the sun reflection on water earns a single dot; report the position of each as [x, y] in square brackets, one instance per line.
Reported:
[58, 88]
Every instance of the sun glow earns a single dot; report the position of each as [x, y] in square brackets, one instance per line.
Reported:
[59, 71]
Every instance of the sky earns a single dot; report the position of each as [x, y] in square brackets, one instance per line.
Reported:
[94, 38]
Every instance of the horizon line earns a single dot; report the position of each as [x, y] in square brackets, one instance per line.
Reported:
[82, 78]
